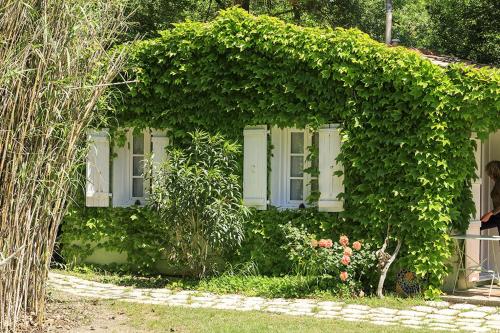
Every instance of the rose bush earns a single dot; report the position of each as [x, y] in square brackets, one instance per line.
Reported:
[325, 258]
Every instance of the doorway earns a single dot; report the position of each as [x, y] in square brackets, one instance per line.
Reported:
[490, 150]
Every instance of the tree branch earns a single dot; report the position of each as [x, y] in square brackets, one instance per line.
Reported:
[383, 273]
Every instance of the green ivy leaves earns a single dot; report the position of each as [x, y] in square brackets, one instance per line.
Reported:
[407, 123]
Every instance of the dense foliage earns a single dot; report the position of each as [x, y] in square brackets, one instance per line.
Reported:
[407, 123]
[339, 260]
[265, 244]
[464, 28]
[149, 16]
[271, 246]
[162, 237]
[132, 230]
[467, 29]
[197, 194]
[136, 231]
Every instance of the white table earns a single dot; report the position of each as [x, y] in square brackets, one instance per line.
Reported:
[478, 266]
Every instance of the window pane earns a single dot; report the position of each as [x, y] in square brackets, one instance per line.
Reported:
[314, 185]
[297, 144]
[138, 144]
[137, 187]
[296, 166]
[296, 189]
[137, 165]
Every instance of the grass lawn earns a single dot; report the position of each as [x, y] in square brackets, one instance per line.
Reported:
[69, 313]
[271, 287]
[156, 318]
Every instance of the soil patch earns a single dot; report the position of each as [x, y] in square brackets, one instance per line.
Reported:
[68, 313]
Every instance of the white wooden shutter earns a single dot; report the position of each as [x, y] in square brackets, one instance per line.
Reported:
[159, 141]
[472, 247]
[97, 185]
[121, 172]
[330, 185]
[277, 195]
[255, 167]
[477, 183]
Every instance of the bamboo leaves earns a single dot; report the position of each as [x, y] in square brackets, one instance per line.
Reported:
[54, 67]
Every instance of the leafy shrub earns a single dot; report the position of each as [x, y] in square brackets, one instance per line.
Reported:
[197, 194]
[355, 265]
[264, 237]
[277, 243]
[132, 230]
[136, 230]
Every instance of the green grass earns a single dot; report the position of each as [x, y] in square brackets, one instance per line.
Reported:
[157, 318]
[271, 287]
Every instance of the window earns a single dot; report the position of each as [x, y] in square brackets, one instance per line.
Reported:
[138, 156]
[296, 162]
[129, 187]
[302, 164]
[290, 184]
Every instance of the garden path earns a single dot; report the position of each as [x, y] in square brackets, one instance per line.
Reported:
[433, 316]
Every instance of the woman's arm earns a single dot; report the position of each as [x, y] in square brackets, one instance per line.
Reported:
[487, 216]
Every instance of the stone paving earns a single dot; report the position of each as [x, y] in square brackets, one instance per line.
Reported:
[436, 316]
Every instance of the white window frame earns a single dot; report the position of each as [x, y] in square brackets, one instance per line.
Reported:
[281, 169]
[130, 157]
[131, 200]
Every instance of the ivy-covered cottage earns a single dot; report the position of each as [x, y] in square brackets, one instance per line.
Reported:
[377, 138]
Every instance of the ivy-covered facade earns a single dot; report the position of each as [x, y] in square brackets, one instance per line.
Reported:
[406, 124]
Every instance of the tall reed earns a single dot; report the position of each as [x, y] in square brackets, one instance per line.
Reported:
[55, 64]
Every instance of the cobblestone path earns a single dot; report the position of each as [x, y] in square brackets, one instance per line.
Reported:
[433, 316]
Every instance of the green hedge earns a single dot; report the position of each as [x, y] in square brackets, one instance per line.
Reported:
[130, 230]
[134, 230]
[264, 250]
[265, 237]
[407, 123]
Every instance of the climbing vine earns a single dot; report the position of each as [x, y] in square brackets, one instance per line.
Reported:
[407, 123]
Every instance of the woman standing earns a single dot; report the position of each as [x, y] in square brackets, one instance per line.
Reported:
[492, 218]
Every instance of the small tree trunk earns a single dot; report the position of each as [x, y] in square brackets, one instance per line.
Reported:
[245, 4]
[388, 22]
[296, 13]
[385, 268]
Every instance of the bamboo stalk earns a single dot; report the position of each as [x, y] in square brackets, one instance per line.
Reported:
[51, 77]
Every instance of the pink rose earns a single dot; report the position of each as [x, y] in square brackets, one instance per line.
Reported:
[347, 251]
[314, 243]
[344, 276]
[326, 243]
[356, 245]
[344, 241]
[345, 260]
